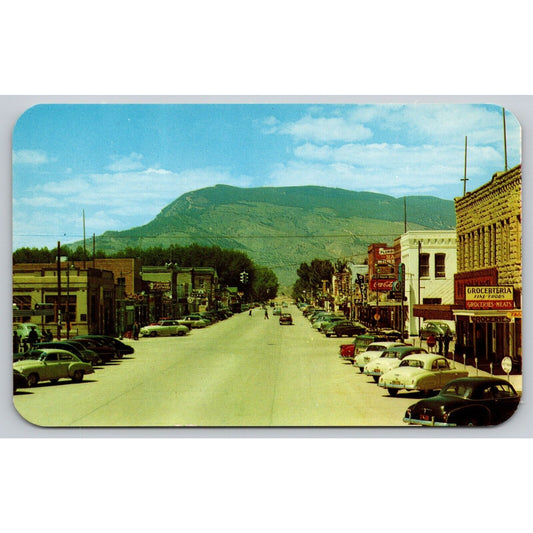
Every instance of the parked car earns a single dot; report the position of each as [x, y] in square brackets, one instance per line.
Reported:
[198, 316]
[435, 328]
[472, 401]
[52, 365]
[23, 329]
[78, 349]
[19, 380]
[389, 359]
[121, 347]
[285, 318]
[277, 311]
[359, 344]
[422, 372]
[373, 351]
[164, 328]
[344, 327]
[322, 323]
[104, 351]
[192, 322]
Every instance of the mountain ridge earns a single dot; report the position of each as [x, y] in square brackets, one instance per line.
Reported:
[281, 227]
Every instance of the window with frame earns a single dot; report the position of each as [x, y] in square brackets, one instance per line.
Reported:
[423, 266]
[440, 265]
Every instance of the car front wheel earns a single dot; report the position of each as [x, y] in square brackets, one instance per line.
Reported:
[392, 392]
[33, 379]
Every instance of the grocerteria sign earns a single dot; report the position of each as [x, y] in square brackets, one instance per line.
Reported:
[489, 297]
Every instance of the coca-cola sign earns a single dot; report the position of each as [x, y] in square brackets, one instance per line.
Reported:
[381, 285]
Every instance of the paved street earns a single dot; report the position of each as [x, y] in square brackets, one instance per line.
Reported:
[244, 371]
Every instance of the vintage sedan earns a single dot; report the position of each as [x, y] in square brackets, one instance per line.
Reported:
[435, 328]
[373, 351]
[52, 365]
[344, 327]
[348, 352]
[472, 401]
[164, 328]
[192, 322]
[421, 372]
[285, 318]
[80, 351]
[390, 359]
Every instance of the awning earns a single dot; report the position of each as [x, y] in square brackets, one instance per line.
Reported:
[489, 315]
[434, 311]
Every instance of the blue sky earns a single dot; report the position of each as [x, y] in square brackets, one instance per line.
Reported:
[121, 164]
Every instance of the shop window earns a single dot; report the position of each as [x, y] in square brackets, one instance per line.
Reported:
[423, 266]
[440, 265]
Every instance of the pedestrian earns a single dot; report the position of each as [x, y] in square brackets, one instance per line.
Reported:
[266, 313]
[250, 312]
[135, 331]
[33, 336]
[49, 337]
[25, 344]
[16, 342]
[439, 341]
[431, 341]
[447, 339]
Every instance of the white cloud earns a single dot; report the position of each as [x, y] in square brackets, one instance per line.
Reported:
[322, 129]
[31, 157]
[126, 163]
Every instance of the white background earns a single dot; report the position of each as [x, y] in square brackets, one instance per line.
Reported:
[326, 480]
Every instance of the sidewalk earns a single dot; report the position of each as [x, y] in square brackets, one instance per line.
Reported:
[514, 379]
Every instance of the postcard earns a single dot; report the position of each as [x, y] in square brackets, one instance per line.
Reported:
[267, 265]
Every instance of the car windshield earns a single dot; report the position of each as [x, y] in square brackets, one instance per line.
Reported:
[36, 355]
[413, 363]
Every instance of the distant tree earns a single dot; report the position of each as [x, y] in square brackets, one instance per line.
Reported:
[311, 277]
[265, 285]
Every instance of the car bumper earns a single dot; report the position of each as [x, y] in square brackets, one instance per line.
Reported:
[430, 423]
[397, 386]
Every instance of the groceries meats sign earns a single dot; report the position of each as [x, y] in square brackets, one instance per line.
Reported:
[489, 297]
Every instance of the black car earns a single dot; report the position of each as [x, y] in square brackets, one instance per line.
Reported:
[285, 318]
[102, 348]
[121, 349]
[471, 401]
[19, 380]
[344, 327]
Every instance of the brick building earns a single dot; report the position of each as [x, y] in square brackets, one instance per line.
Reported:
[488, 283]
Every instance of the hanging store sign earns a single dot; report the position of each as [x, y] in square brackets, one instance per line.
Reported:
[489, 297]
[490, 319]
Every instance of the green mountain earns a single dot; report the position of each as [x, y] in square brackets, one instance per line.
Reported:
[281, 227]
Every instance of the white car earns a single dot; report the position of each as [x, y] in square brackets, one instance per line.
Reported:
[164, 328]
[373, 351]
[390, 359]
[192, 322]
[423, 372]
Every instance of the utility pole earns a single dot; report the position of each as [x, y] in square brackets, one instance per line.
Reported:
[58, 314]
[504, 139]
[465, 179]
